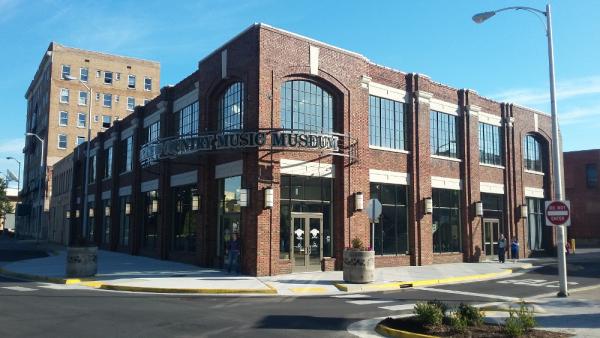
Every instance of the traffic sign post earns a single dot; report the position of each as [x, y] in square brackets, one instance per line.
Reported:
[374, 209]
[558, 214]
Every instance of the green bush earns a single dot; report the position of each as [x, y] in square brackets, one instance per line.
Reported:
[513, 326]
[471, 315]
[443, 307]
[357, 244]
[526, 316]
[429, 314]
[458, 323]
[519, 321]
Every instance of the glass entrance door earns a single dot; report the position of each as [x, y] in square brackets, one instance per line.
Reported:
[491, 233]
[307, 238]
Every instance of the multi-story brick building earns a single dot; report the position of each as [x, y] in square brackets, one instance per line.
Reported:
[283, 140]
[583, 190]
[57, 112]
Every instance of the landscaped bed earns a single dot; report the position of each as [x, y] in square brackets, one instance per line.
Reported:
[434, 319]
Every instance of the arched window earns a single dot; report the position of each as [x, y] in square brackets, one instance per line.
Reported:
[231, 108]
[306, 106]
[532, 153]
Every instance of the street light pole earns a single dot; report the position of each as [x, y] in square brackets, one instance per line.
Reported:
[42, 170]
[556, 151]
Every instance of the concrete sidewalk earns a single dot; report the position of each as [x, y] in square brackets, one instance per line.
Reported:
[117, 271]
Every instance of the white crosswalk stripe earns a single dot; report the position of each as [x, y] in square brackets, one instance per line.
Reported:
[54, 286]
[400, 307]
[354, 295]
[18, 288]
[368, 302]
[354, 299]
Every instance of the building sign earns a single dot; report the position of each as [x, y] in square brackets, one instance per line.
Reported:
[152, 152]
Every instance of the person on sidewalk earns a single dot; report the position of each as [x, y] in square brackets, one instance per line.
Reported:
[501, 249]
[233, 253]
[514, 249]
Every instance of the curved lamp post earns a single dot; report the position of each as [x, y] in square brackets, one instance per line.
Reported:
[556, 152]
[18, 174]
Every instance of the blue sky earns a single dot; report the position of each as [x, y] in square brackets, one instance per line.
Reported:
[505, 58]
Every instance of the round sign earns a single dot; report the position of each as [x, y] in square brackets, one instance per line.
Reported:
[374, 209]
[557, 212]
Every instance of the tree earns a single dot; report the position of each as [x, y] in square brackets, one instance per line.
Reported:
[5, 205]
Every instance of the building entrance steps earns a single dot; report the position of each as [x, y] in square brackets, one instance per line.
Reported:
[117, 271]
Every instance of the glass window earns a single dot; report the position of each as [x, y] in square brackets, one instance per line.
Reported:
[62, 141]
[105, 223]
[108, 77]
[446, 221]
[490, 151]
[80, 140]
[188, 119]
[184, 219]
[533, 154]
[118, 76]
[125, 211]
[64, 95]
[92, 176]
[83, 74]
[149, 226]
[535, 217]
[66, 71]
[109, 161]
[130, 103]
[63, 119]
[106, 121]
[147, 83]
[83, 98]
[91, 223]
[391, 233]
[229, 212]
[108, 100]
[306, 106]
[131, 81]
[152, 132]
[386, 123]
[231, 108]
[81, 120]
[127, 153]
[591, 175]
[443, 134]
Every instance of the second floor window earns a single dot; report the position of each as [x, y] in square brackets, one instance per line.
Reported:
[188, 119]
[443, 135]
[147, 84]
[386, 123]
[532, 154]
[108, 100]
[63, 119]
[66, 71]
[108, 77]
[231, 108]
[490, 151]
[64, 95]
[153, 132]
[131, 81]
[591, 175]
[127, 153]
[83, 98]
[109, 162]
[83, 74]
[92, 176]
[130, 103]
[306, 106]
[62, 141]
[81, 120]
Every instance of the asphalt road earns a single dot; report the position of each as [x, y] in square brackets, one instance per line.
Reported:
[33, 309]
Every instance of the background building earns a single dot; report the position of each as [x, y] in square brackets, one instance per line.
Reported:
[276, 137]
[7, 222]
[57, 112]
[583, 190]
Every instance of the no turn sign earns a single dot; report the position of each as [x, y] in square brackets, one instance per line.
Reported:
[558, 213]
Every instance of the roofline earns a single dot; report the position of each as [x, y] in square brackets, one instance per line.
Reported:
[105, 54]
[581, 151]
[530, 109]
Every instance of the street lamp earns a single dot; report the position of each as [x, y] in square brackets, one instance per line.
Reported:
[556, 152]
[87, 152]
[18, 174]
[39, 232]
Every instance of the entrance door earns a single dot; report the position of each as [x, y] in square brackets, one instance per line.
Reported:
[491, 233]
[306, 235]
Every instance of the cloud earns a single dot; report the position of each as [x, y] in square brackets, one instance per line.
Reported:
[8, 9]
[11, 146]
[580, 114]
[565, 90]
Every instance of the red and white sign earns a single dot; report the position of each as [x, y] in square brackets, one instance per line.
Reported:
[558, 213]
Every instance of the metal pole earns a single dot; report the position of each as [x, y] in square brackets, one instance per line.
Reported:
[87, 164]
[557, 158]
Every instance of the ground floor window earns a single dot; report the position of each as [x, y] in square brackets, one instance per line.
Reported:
[229, 212]
[125, 220]
[446, 220]
[106, 222]
[391, 233]
[150, 224]
[535, 219]
[184, 219]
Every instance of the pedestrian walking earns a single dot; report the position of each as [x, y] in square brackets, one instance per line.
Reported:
[233, 253]
[514, 249]
[501, 249]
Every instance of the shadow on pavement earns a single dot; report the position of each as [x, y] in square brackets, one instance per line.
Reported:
[579, 321]
[291, 322]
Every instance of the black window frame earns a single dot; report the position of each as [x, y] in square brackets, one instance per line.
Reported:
[591, 175]
[384, 112]
[533, 153]
[444, 133]
[490, 144]
[228, 119]
[306, 106]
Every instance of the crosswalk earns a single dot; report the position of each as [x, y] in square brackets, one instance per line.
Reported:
[385, 304]
[31, 287]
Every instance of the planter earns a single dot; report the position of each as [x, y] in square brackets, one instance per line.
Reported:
[82, 261]
[359, 266]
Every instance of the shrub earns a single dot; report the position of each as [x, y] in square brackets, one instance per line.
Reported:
[429, 314]
[513, 326]
[526, 316]
[519, 321]
[458, 323]
[357, 244]
[439, 304]
[471, 315]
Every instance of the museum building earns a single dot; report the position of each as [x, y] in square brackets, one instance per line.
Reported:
[283, 140]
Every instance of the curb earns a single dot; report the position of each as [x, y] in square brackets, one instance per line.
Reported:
[56, 280]
[389, 332]
[270, 289]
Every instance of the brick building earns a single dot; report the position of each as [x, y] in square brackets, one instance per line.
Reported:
[583, 190]
[57, 112]
[282, 139]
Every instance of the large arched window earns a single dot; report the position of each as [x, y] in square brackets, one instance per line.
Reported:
[306, 106]
[231, 108]
[532, 153]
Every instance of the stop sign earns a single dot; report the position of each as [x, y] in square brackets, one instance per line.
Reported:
[558, 213]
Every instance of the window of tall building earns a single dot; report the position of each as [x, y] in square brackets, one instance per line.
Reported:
[391, 233]
[591, 175]
[108, 77]
[83, 74]
[107, 100]
[83, 98]
[80, 140]
[98, 73]
[66, 71]
[147, 84]
[64, 95]
[131, 81]
[81, 120]
[490, 151]
[532, 154]
[443, 134]
[127, 153]
[106, 121]
[130, 103]
[188, 119]
[92, 177]
[446, 220]
[152, 132]
[63, 119]
[109, 162]
[231, 108]
[386, 123]
[306, 106]
[117, 76]
[62, 141]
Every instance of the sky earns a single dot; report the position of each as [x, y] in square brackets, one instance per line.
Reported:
[504, 58]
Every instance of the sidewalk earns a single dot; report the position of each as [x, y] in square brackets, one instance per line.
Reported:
[117, 271]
